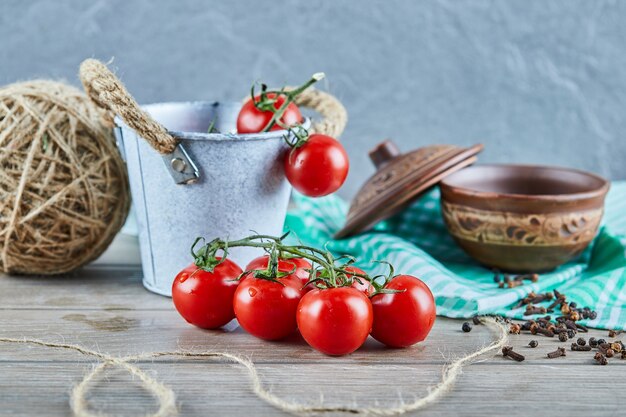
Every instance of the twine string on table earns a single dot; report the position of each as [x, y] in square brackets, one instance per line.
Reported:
[167, 398]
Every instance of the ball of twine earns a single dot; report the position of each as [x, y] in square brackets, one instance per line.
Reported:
[63, 185]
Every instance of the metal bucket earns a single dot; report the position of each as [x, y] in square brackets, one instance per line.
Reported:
[213, 185]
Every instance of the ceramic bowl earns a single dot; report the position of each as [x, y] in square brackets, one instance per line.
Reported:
[523, 218]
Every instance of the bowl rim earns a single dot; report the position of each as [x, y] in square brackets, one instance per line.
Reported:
[584, 195]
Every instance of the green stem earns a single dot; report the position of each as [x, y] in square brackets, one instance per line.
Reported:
[290, 97]
[207, 253]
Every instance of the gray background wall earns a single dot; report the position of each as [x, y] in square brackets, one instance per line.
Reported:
[535, 81]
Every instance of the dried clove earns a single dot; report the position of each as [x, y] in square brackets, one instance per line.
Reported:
[528, 277]
[533, 344]
[531, 310]
[614, 333]
[557, 353]
[581, 328]
[580, 348]
[466, 327]
[600, 358]
[535, 329]
[515, 328]
[508, 351]
[563, 337]
[593, 342]
[476, 320]
[570, 325]
[581, 341]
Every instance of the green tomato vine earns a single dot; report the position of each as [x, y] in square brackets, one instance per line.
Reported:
[327, 271]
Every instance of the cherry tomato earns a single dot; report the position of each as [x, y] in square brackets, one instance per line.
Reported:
[319, 167]
[404, 318]
[335, 321]
[205, 299]
[284, 265]
[364, 286]
[253, 120]
[267, 309]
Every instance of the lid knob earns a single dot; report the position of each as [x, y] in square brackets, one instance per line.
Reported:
[383, 153]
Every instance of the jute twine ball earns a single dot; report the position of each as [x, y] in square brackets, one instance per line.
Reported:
[63, 185]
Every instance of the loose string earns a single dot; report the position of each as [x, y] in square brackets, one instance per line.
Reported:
[167, 399]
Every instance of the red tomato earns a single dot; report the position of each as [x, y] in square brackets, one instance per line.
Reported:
[335, 321]
[205, 299]
[404, 318]
[364, 286]
[267, 309]
[319, 167]
[284, 265]
[253, 120]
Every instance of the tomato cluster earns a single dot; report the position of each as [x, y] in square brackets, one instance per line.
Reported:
[318, 164]
[274, 298]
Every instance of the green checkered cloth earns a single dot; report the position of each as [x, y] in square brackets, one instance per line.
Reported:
[416, 242]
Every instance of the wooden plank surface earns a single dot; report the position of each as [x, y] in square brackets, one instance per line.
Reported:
[104, 307]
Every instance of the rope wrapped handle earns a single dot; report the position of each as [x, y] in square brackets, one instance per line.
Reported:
[108, 92]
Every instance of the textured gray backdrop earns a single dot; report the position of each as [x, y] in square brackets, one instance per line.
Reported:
[535, 81]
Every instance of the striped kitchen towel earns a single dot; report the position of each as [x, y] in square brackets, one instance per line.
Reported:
[416, 242]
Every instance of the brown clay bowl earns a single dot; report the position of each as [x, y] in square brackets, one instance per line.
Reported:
[523, 218]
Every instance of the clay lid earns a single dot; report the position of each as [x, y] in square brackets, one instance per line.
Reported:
[400, 179]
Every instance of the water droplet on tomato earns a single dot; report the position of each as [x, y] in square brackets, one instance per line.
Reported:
[252, 291]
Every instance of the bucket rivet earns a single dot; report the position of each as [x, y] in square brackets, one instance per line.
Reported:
[178, 164]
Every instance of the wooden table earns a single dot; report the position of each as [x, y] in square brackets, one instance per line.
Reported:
[104, 307]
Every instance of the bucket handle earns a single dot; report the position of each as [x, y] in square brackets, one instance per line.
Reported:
[334, 114]
[108, 92]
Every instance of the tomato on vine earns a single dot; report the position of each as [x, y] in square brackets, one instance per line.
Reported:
[266, 301]
[318, 167]
[404, 317]
[317, 164]
[253, 120]
[360, 284]
[205, 298]
[300, 267]
[335, 321]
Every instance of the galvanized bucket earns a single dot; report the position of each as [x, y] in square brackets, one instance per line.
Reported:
[240, 187]
[187, 183]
